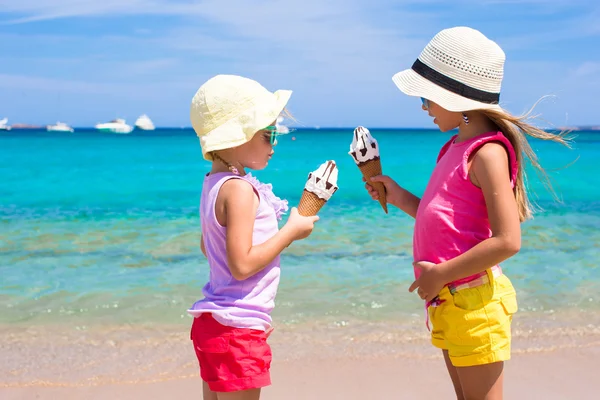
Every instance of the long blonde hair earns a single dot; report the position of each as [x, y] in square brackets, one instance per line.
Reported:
[516, 129]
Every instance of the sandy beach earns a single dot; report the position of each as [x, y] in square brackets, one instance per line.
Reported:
[360, 362]
[564, 374]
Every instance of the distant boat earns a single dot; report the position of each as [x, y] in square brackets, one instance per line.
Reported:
[281, 128]
[144, 123]
[26, 127]
[115, 126]
[59, 127]
[3, 125]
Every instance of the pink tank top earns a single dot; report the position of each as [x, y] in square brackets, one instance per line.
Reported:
[452, 216]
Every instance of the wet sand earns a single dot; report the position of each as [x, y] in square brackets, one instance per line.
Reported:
[372, 360]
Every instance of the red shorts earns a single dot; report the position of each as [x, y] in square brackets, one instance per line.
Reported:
[231, 359]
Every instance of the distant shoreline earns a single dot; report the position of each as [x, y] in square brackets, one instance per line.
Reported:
[23, 127]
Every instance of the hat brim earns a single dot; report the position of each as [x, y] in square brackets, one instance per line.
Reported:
[413, 84]
[282, 97]
[261, 119]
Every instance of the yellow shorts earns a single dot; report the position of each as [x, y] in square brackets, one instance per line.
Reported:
[473, 324]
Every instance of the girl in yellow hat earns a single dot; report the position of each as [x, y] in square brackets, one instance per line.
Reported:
[235, 119]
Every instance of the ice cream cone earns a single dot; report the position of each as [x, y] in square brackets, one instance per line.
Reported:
[310, 204]
[320, 186]
[370, 169]
[365, 152]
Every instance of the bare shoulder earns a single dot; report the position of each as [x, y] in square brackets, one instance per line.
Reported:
[490, 165]
[237, 189]
[491, 152]
[489, 161]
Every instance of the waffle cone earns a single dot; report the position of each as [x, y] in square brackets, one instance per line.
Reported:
[310, 204]
[370, 169]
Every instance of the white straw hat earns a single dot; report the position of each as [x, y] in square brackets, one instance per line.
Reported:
[227, 110]
[460, 69]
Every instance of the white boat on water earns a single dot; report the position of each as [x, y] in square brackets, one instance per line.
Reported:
[280, 127]
[3, 125]
[144, 123]
[115, 126]
[59, 127]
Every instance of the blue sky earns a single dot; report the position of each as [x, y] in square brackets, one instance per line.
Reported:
[88, 61]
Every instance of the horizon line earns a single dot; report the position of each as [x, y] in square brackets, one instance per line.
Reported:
[22, 126]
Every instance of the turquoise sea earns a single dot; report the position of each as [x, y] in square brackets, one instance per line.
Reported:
[100, 228]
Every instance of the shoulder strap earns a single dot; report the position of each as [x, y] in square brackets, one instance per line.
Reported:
[211, 196]
[493, 137]
[226, 178]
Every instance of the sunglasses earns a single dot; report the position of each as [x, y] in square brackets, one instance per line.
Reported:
[425, 103]
[272, 135]
[274, 132]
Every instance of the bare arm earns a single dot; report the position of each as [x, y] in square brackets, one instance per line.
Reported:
[407, 202]
[489, 170]
[395, 195]
[244, 259]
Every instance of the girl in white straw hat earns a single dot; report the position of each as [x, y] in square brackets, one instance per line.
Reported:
[235, 119]
[468, 220]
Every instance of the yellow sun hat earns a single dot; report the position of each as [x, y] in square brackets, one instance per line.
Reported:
[227, 110]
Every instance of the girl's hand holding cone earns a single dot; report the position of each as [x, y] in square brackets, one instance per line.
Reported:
[392, 189]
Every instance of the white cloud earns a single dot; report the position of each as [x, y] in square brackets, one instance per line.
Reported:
[336, 36]
[587, 69]
[141, 31]
[146, 66]
[249, 12]
[339, 54]
[43, 10]
[34, 83]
